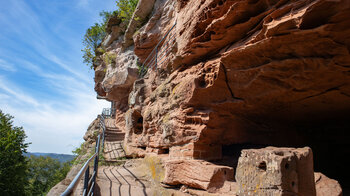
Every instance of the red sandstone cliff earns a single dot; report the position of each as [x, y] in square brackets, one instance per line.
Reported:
[255, 72]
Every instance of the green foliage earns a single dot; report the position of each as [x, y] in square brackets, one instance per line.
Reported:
[44, 173]
[126, 9]
[20, 175]
[109, 58]
[79, 152]
[105, 15]
[100, 50]
[13, 164]
[95, 34]
[92, 39]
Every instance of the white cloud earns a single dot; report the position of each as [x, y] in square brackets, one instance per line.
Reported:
[51, 92]
[7, 66]
[50, 128]
[16, 94]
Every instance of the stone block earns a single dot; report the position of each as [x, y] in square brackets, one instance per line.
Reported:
[276, 171]
[197, 174]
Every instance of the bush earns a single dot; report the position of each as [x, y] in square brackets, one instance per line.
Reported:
[126, 9]
[95, 34]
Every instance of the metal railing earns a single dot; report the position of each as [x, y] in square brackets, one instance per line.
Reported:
[159, 53]
[108, 112]
[89, 180]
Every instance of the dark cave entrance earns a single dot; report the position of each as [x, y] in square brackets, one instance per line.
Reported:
[137, 121]
[329, 141]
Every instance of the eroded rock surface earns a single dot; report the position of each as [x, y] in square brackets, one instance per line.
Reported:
[276, 171]
[197, 174]
[270, 72]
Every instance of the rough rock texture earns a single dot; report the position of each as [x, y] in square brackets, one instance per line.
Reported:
[265, 72]
[142, 11]
[326, 186]
[151, 33]
[276, 171]
[277, 65]
[197, 174]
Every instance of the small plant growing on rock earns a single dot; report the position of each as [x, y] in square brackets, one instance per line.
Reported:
[96, 33]
[109, 58]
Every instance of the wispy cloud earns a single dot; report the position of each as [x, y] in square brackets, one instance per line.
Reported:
[43, 82]
[83, 3]
[17, 94]
[7, 66]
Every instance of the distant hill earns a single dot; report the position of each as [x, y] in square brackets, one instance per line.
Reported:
[61, 157]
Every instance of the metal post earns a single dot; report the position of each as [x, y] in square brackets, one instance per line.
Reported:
[86, 181]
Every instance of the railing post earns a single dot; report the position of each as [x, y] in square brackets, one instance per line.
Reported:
[86, 181]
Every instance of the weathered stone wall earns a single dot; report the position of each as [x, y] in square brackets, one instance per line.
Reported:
[258, 72]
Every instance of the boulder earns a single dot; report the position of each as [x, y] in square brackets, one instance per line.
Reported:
[197, 174]
[326, 186]
[276, 171]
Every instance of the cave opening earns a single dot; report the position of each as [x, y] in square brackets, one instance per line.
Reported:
[163, 151]
[232, 152]
[137, 121]
[328, 140]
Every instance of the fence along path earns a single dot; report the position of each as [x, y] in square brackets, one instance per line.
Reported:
[89, 179]
[159, 54]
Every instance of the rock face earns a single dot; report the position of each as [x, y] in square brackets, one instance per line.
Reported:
[276, 171]
[272, 72]
[248, 69]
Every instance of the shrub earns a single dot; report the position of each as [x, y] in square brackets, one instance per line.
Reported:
[95, 34]
[126, 9]
[110, 58]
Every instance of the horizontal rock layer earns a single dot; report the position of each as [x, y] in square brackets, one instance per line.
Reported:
[270, 72]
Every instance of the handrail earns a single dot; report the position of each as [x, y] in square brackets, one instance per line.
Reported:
[89, 182]
[74, 183]
[153, 56]
[108, 111]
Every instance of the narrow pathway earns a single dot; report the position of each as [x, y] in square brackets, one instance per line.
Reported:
[117, 180]
[120, 181]
[113, 147]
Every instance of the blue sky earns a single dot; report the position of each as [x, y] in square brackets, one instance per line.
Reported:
[43, 82]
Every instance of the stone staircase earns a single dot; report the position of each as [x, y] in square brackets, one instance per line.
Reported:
[113, 146]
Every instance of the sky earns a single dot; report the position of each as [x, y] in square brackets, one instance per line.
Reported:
[43, 82]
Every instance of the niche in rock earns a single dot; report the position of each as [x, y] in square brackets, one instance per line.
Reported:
[137, 122]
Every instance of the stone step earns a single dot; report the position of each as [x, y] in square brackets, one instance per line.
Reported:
[113, 150]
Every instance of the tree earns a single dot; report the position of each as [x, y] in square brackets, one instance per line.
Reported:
[44, 173]
[13, 164]
[94, 35]
[92, 39]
